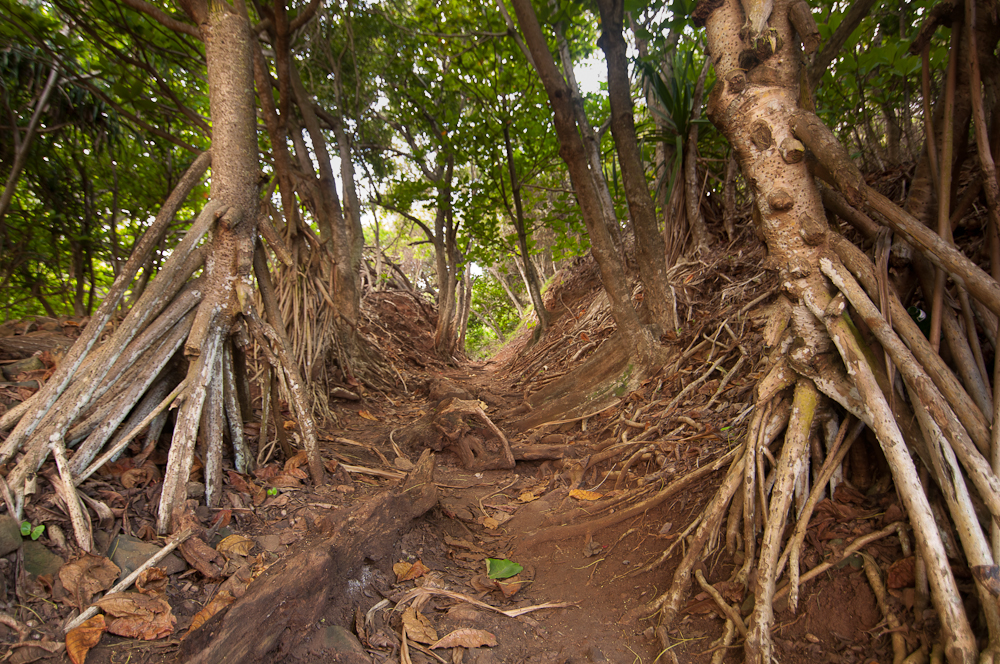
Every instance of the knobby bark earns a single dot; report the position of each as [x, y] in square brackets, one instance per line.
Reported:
[755, 103]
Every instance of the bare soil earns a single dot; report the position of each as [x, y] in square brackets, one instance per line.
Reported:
[325, 555]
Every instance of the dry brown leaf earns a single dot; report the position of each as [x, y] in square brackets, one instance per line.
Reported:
[298, 460]
[152, 581]
[87, 576]
[222, 599]
[285, 481]
[368, 416]
[902, 573]
[80, 640]
[238, 482]
[138, 616]
[490, 522]
[509, 587]
[140, 476]
[401, 569]
[527, 497]
[583, 494]
[237, 544]
[467, 638]
[482, 583]
[416, 570]
[418, 627]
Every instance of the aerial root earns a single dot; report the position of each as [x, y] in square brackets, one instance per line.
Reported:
[103, 397]
[874, 575]
[790, 464]
[669, 602]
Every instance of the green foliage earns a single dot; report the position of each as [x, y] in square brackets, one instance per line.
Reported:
[497, 568]
[102, 162]
[490, 302]
[34, 533]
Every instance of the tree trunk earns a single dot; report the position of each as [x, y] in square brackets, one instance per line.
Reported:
[639, 341]
[649, 242]
[530, 273]
[755, 105]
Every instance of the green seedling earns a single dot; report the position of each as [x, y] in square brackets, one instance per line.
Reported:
[497, 568]
[33, 533]
[272, 491]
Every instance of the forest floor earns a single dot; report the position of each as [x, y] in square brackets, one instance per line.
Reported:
[618, 452]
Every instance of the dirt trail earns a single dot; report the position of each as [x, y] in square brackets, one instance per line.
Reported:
[316, 560]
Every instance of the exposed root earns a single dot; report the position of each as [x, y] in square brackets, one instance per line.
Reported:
[874, 575]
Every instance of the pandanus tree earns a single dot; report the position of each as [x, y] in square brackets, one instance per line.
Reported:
[839, 333]
[184, 340]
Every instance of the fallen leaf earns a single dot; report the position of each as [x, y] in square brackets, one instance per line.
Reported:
[284, 481]
[138, 616]
[80, 640]
[222, 599]
[501, 568]
[527, 497]
[401, 569]
[466, 638]
[368, 416]
[490, 522]
[140, 477]
[298, 460]
[418, 627]
[509, 587]
[901, 574]
[583, 494]
[152, 581]
[87, 576]
[482, 583]
[237, 544]
[416, 570]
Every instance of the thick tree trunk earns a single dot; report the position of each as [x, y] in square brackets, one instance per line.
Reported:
[755, 105]
[638, 339]
[648, 241]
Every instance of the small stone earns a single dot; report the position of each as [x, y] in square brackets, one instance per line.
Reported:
[270, 543]
[11, 371]
[332, 643]
[38, 560]
[129, 553]
[10, 534]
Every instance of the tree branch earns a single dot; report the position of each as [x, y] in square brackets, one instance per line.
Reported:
[161, 17]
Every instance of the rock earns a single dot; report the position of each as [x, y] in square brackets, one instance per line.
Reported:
[38, 560]
[131, 552]
[442, 388]
[332, 643]
[481, 656]
[10, 371]
[271, 543]
[10, 534]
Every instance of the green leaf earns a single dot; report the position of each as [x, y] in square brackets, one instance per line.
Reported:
[497, 568]
[25, 528]
[37, 531]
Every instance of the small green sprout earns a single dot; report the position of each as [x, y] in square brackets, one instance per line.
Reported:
[33, 533]
[272, 491]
